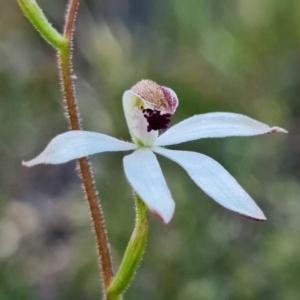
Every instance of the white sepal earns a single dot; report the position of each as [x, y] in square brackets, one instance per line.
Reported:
[214, 180]
[212, 125]
[145, 176]
[76, 144]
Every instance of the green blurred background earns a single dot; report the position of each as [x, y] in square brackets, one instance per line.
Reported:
[217, 55]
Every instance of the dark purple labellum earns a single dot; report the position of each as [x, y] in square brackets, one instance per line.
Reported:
[155, 120]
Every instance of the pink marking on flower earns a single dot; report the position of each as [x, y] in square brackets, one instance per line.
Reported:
[277, 129]
[156, 213]
[170, 97]
[251, 218]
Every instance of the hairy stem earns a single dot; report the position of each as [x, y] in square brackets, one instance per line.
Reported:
[65, 65]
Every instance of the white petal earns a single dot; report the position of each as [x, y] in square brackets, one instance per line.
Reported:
[215, 181]
[146, 178]
[213, 125]
[76, 144]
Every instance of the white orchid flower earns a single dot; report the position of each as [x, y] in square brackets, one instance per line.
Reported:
[148, 108]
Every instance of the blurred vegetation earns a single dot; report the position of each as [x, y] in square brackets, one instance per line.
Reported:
[218, 55]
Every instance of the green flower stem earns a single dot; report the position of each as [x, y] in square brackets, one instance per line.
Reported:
[133, 254]
[36, 16]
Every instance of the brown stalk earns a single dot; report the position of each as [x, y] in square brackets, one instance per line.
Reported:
[85, 171]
